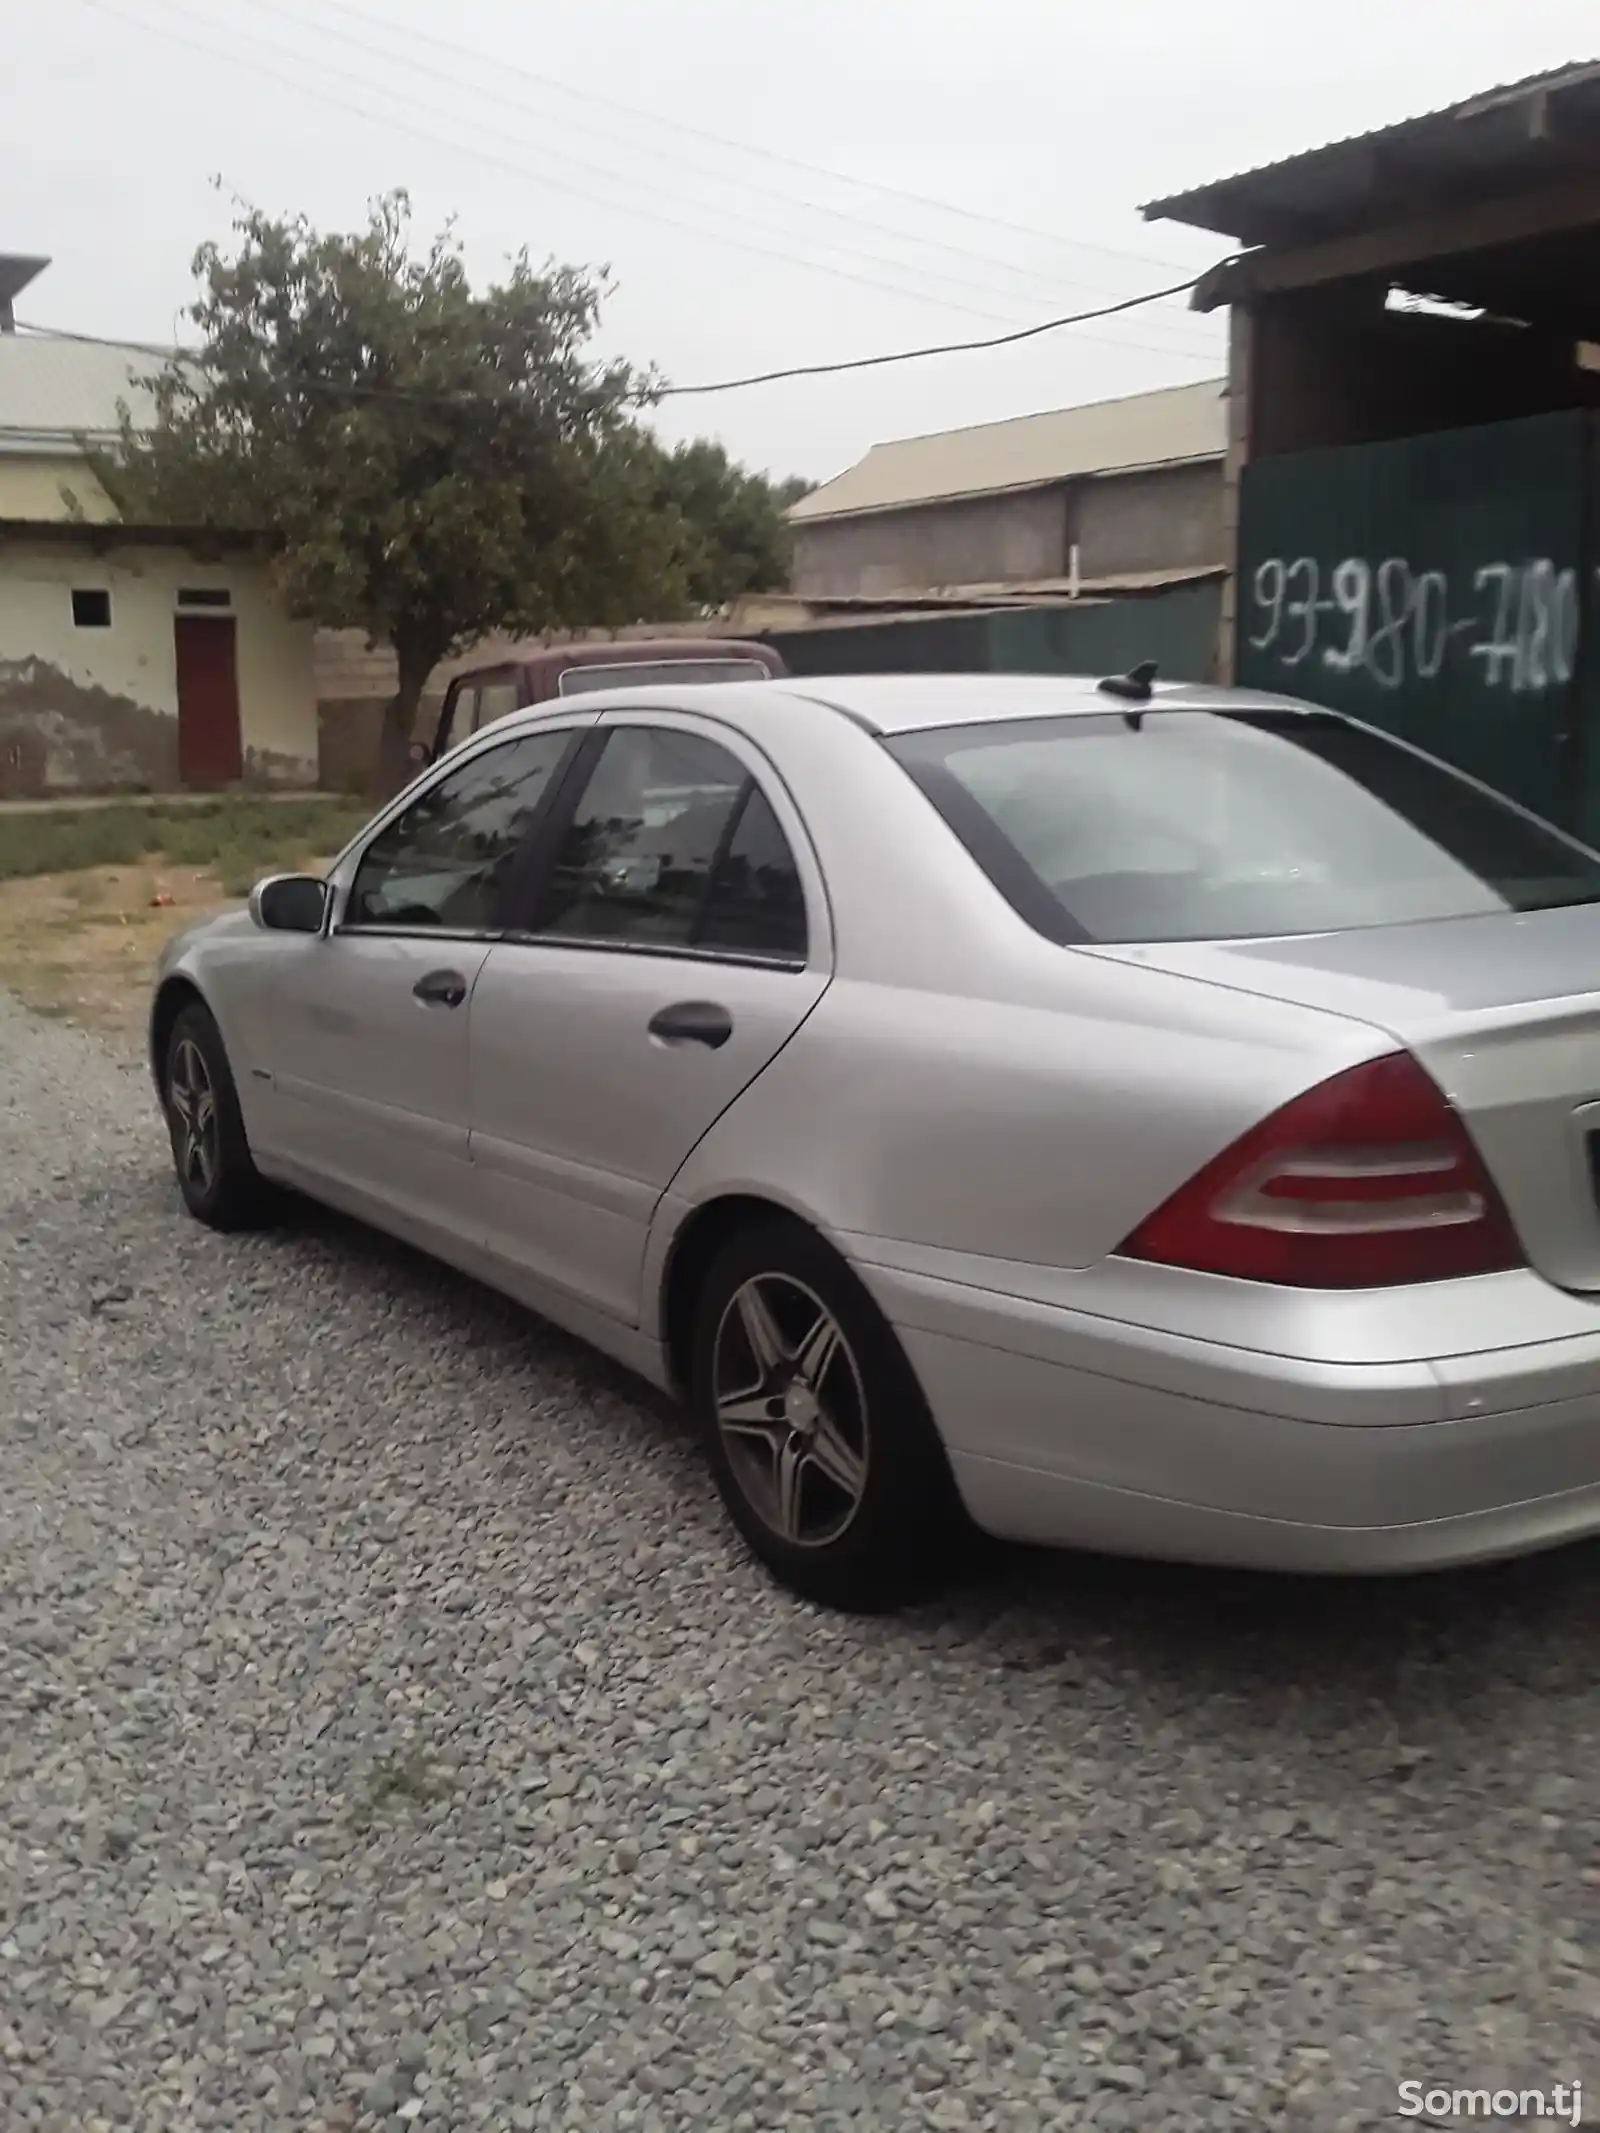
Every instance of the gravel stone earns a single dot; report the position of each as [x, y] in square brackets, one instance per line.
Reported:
[395, 1735]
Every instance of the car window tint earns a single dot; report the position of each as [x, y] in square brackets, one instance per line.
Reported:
[756, 905]
[1197, 825]
[445, 861]
[636, 859]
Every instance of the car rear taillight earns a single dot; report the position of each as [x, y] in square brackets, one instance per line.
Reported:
[1366, 1181]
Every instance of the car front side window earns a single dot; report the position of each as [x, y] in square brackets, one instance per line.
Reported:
[445, 862]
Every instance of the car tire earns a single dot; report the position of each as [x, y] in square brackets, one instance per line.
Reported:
[216, 1173]
[837, 1480]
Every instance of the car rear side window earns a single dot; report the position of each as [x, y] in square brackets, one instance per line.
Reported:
[446, 861]
[1198, 825]
[755, 904]
[671, 844]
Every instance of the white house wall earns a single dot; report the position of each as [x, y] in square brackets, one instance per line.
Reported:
[96, 710]
[39, 485]
[1163, 518]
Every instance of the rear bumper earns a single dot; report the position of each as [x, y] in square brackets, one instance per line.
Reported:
[1069, 1429]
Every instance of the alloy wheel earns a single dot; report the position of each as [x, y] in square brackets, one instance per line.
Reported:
[792, 1409]
[192, 1103]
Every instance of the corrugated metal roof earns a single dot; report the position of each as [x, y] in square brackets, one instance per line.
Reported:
[1183, 422]
[792, 610]
[1416, 162]
[52, 392]
[17, 270]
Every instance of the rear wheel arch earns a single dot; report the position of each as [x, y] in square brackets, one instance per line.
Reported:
[692, 1254]
[901, 1529]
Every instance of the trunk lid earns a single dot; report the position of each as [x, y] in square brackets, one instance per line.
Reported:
[1502, 1010]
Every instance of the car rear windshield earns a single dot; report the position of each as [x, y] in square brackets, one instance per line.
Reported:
[1230, 825]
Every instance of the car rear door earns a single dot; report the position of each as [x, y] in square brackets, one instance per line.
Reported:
[673, 937]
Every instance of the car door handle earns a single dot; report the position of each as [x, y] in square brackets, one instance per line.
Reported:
[441, 988]
[693, 1022]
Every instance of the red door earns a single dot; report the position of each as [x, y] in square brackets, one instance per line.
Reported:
[209, 748]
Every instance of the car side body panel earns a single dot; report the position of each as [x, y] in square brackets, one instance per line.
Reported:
[977, 1118]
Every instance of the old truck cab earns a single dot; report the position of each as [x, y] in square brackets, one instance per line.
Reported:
[541, 673]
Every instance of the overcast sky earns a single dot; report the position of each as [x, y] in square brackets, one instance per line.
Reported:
[769, 185]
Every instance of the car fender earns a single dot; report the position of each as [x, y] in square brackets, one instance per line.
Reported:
[1039, 1127]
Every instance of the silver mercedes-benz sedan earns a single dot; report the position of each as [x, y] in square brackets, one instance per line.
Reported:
[1130, 1116]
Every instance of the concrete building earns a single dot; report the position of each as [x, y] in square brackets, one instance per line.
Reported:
[132, 658]
[1092, 498]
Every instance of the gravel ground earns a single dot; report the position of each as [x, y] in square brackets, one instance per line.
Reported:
[393, 1735]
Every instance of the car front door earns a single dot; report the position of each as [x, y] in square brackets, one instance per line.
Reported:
[367, 1047]
[672, 938]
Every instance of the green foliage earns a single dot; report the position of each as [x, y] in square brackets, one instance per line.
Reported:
[732, 535]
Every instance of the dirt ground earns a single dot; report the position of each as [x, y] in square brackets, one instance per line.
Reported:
[83, 945]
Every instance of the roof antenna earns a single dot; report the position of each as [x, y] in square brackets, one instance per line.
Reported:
[1134, 687]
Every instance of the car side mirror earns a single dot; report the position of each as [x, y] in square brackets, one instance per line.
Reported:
[289, 903]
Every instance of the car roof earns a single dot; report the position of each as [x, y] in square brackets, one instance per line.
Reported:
[907, 703]
[620, 652]
[897, 703]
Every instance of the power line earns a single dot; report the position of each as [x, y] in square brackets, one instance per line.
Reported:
[472, 147]
[877, 261]
[683, 392]
[429, 68]
[746, 148]
[916, 355]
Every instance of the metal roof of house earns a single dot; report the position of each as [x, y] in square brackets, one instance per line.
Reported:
[789, 610]
[52, 393]
[1520, 134]
[104, 536]
[1183, 422]
[17, 270]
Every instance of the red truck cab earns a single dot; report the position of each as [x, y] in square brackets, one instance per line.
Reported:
[544, 672]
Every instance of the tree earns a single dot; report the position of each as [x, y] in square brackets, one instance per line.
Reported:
[734, 537]
[437, 463]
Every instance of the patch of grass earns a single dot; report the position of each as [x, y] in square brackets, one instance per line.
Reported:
[240, 838]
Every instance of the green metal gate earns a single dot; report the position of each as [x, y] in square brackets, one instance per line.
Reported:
[1442, 587]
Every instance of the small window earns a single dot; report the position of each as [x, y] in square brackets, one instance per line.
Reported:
[496, 699]
[91, 607]
[446, 861]
[460, 722]
[637, 857]
[756, 905]
[204, 596]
